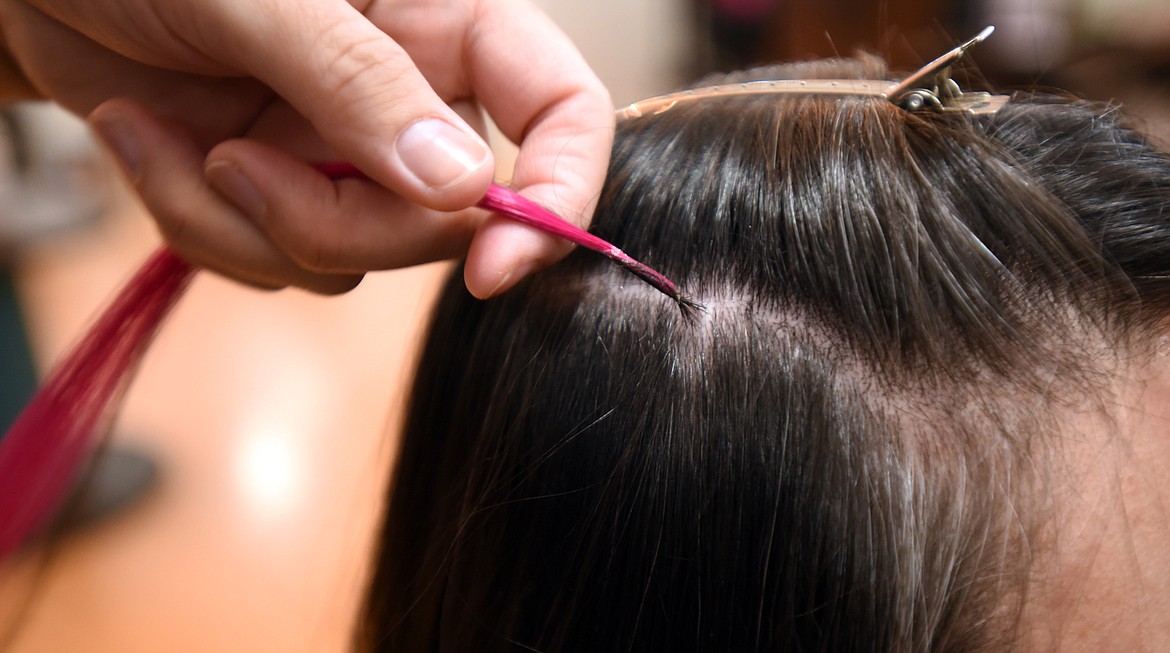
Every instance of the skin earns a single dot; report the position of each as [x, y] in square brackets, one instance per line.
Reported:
[1101, 579]
[215, 108]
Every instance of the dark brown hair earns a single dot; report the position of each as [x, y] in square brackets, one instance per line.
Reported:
[843, 452]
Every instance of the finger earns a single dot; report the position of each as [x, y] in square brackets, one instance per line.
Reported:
[365, 96]
[345, 226]
[199, 225]
[80, 73]
[539, 90]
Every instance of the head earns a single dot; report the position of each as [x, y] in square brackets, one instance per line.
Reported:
[923, 334]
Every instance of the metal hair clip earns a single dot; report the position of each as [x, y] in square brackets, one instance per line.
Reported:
[930, 87]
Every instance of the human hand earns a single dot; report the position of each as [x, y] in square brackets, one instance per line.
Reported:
[216, 108]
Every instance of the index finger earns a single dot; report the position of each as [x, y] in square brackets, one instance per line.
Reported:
[542, 94]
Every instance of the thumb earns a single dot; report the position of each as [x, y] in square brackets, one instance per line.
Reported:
[363, 94]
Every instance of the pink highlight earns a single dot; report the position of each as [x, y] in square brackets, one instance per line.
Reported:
[40, 454]
[511, 204]
[521, 209]
[339, 170]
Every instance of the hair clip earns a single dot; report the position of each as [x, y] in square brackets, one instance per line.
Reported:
[930, 87]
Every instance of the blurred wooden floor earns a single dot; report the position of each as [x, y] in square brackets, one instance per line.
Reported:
[268, 414]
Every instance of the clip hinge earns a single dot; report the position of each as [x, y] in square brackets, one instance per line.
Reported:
[931, 86]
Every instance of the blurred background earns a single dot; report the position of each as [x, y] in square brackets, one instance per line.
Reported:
[261, 426]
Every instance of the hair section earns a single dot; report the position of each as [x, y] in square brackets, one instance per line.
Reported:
[844, 452]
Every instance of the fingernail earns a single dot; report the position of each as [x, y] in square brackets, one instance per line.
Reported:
[440, 154]
[231, 182]
[120, 139]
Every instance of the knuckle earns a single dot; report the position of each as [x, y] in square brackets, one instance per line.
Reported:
[355, 63]
[320, 249]
[178, 228]
[311, 254]
[311, 230]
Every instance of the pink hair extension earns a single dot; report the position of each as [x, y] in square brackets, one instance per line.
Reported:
[521, 209]
[511, 204]
[41, 453]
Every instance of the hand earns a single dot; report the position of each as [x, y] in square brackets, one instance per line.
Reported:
[216, 108]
